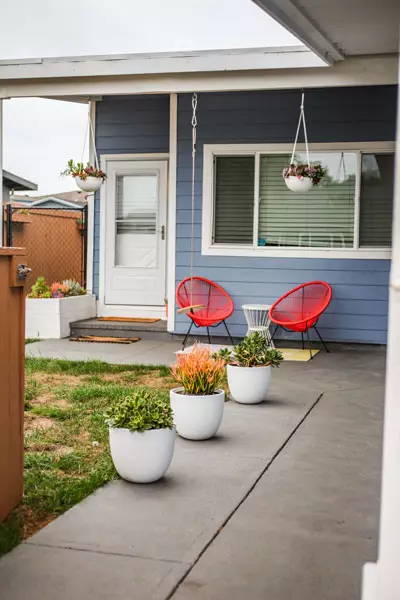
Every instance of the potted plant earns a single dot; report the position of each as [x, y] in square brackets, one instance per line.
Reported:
[142, 436]
[88, 178]
[249, 367]
[51, 309]
[301, 178]
[198, 405]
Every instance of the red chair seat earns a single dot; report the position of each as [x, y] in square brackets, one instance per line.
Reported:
[218, 305]
[300, 308]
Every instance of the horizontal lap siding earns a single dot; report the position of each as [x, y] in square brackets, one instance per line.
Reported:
[358, 311]
[128, 125]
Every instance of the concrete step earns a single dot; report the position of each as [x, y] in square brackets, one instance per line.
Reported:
[154, 331]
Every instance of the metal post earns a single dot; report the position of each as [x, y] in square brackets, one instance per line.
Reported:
[85, 244]
[9, 234]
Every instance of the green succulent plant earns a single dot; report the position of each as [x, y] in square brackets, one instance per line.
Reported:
[40, 289]
[141, 411]
[253, 351]
[74, 288]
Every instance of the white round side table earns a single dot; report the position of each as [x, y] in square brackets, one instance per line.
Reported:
[257, 317]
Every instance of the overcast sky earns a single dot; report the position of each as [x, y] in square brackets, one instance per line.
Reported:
[41, 135]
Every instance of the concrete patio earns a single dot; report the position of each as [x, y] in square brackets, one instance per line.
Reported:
[282, 504]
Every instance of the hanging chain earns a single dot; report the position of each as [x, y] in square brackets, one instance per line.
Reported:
[90, 130]
[194, 140]
[302, 119]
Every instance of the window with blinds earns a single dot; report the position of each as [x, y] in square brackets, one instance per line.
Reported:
[322, 217]
[234, 199]
[376, 201]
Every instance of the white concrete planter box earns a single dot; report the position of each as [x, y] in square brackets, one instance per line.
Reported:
[50, 317]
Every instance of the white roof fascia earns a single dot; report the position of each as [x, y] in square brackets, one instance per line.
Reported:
[354, 71]
[158, 63]
[302, 27]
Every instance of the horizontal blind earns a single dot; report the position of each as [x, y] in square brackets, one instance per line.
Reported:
[322, 217]
[234, 199]
[136, 203]
[376, 200]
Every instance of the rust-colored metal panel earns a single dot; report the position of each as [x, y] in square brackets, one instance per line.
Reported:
[12, 349]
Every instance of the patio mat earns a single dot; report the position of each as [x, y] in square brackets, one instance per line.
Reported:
[297, 353]
[105, 340]
[128, 319]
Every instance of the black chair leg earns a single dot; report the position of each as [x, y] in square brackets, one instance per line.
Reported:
[302, 340]
[208, 335]
[321, 340]
[228, 332]
[309, 343]
[187, 335]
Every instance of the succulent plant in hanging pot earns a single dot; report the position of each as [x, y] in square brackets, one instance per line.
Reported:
[87, 177]
[302, 177]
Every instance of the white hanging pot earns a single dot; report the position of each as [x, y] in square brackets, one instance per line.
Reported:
[298, 184]
[248, 385]
[197, 417]
[90, 184]
[141, 456]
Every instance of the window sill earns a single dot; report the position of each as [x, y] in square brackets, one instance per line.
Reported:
[274, 252]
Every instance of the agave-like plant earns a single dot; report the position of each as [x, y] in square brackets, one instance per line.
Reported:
[199, 372]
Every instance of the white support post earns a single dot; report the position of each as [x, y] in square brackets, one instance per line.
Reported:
[91, 203]
[381, 580]
[1, 172]
[171, 229]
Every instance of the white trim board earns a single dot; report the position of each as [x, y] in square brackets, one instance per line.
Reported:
[171, 222]
[208, 248]
[104, 309]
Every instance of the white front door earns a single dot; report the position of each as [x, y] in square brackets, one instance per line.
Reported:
[135, 232]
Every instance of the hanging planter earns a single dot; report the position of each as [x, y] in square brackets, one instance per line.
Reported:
[88, 178]
[302, 177]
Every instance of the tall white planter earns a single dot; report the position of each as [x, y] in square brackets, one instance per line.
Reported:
[249, 385]
[142, 456]
[51, 317]
[197, 417]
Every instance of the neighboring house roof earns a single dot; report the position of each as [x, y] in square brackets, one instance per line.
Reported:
[15, 182]
[67, 200]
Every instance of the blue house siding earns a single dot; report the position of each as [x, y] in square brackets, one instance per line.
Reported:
[358, 311]
[128, 125]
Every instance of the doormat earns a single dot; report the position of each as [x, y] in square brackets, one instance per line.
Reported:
[105, 340]
[128, 319]
[297, 354]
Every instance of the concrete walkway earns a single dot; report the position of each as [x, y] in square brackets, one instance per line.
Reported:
[282, 504]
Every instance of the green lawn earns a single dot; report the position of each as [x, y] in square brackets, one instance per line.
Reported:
[66, 439]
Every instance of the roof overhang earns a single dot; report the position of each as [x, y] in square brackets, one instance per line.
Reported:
[14, 182]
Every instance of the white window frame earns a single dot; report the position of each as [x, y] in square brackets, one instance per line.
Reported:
[208, 247]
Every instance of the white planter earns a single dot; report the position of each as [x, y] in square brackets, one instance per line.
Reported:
[142, 456]
[90, 184]
[51, 317]
[298, 184]
[197, 417]
[249, 385]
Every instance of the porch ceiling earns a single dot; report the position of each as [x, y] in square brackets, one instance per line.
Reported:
[340, 28]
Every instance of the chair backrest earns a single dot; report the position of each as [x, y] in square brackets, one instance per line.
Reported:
[199, 290]
[304, 303]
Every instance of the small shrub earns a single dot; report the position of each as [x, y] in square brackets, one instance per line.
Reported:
[40, 289]
[141, 411]
[199, 372]
[82, 171]
[73, 288]
[315, 172]
[253, 351]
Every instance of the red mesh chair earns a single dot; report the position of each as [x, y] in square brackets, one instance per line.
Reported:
[207, 302]
[300, 308]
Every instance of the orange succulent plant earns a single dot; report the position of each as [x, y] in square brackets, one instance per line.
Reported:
[198, 371]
